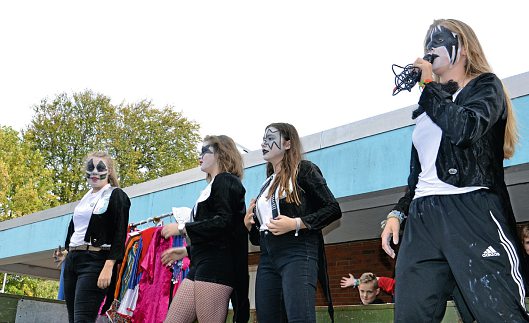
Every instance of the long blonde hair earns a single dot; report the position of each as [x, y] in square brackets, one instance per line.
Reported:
[112, 173]
[477, 64]
[228, 156]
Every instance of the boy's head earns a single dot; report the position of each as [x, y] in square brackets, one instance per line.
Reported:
[525, 238]
[368, 288]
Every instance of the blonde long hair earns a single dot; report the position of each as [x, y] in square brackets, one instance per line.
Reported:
[477, 64]
[112, 173]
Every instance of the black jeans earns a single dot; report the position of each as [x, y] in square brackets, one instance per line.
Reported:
[286, 278]
[83, 297]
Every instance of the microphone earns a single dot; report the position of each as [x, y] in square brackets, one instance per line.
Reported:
[409, 76]
[430, 57]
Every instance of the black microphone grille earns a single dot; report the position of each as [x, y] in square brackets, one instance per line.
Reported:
[430, 57]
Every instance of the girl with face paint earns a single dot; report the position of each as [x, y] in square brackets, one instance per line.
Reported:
[218, 242]
[95, 241]
[286, 219]
[460, 233]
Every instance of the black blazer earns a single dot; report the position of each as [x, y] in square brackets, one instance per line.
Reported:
[318, 206]
[318, 209]
[219, 226]
[109, 227]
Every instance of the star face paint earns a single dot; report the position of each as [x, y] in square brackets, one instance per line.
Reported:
[96, 172]
[445, 44]
[272, 145]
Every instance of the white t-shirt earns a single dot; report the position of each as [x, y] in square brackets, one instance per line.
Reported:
[426, 139]
[81, 216]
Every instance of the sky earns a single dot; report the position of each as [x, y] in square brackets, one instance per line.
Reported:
[236, 66]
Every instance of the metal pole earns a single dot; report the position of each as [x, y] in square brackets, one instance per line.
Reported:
[4, 284]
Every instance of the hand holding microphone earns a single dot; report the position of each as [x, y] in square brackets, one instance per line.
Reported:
[411, 73]
[424, 65]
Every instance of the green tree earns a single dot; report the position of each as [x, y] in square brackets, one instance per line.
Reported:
[150, 143]
[146, 142]
[26, 184]
[28, 286]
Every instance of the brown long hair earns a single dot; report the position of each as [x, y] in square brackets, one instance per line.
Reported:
[228, 156]
[477, 64]
[112, 173]
[289, 164]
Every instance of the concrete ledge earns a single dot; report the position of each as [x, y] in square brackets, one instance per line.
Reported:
[23, 309]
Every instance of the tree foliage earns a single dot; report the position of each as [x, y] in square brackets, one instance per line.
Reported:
[145, 141]
[26, 184]
[28, 286]
[44, 167]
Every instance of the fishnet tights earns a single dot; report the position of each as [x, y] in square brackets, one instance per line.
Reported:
[207, 302]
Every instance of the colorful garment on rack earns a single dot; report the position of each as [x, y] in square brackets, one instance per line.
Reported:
[146, 237]
[155, 283]
[113, 315]
[126, 267]
[181, 267]
[128, 302]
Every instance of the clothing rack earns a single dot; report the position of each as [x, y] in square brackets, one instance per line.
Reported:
[155, 219]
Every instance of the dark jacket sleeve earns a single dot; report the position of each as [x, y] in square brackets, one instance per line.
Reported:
[325, 208]
[467, 123]
[69, 235]
[119, 205]
[239, 296]
[224, 187]
[255, 235]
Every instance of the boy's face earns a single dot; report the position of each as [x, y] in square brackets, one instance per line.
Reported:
[526, 245]
[368, 292]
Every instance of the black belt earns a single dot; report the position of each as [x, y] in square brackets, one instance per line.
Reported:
[86, 247]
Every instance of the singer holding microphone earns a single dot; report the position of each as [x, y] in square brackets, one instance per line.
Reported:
[460, 228]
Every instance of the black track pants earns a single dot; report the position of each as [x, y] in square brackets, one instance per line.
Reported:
[458, 239]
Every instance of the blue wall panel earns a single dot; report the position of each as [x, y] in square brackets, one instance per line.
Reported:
[161, 202]
[368, 164]
[34, 237]
[521, 109]
[365, 165]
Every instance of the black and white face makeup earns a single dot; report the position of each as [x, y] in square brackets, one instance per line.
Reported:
[96, 172]
[271, 138]
[273, 146]
[445, 44]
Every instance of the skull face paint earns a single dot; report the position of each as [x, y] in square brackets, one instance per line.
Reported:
[96, 172]
[445, 44]
[272, 145]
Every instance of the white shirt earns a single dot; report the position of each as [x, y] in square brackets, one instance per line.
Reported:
[81, 216]
[263, 206]
[206, 192]
[426, 138]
